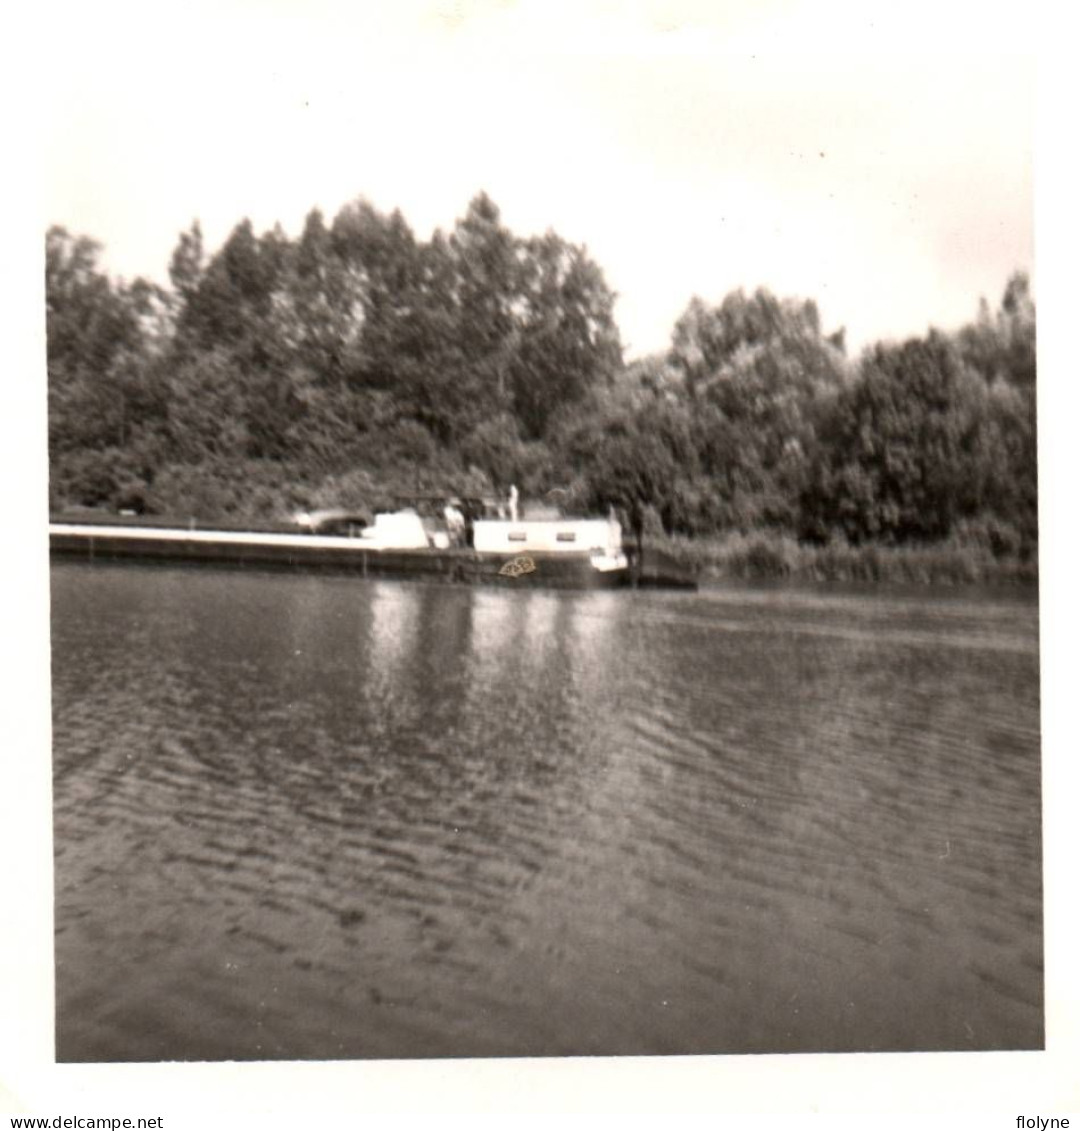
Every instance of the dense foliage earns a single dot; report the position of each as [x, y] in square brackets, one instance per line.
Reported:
[356, 362]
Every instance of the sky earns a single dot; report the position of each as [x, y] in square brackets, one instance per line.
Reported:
[874, 157]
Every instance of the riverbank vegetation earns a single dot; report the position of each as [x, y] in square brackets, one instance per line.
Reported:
[766, 556]
[357, 362]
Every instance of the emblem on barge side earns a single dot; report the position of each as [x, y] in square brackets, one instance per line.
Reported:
[517, 567]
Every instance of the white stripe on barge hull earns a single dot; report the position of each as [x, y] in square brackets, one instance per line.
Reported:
[214, 537]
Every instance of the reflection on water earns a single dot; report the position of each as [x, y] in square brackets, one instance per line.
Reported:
[324, 817]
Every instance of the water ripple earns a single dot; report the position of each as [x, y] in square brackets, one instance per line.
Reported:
[317, 817]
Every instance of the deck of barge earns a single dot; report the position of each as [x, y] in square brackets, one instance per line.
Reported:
[273, 547]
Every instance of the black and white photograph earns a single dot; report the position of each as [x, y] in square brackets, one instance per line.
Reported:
[543, 550]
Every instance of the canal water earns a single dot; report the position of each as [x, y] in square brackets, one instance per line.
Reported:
[309, 817]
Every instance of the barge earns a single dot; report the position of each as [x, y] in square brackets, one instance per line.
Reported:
[546, 552]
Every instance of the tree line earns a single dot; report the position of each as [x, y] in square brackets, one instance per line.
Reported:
[357, 362]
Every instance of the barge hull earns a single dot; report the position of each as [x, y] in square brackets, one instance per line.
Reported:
[306, 553]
